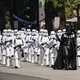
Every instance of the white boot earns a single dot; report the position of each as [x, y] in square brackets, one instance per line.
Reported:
[32, 58]
[35, 58]
[47, 60]
[17, 63]
[47, 57]
[3, 60]
[29, 57]
[8, 62]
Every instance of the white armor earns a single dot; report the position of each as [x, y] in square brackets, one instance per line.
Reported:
[18, 40]
[0, 47]
[28, 44]
[35, 37]
[44, 43]
[64, 30]
[4, 36]
[8, 53]
[53, 50]
[40, 48]
[17, 57]
[78, 48]
[23, 35]
[3, 55]
[18, 43]
[9, 47]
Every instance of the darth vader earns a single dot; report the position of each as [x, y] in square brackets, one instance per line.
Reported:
[66, 58]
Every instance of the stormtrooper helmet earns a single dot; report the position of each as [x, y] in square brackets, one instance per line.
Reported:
[64, 30]
[45, 32]
[52, 34]
[4, 32]
[28, 32]
[41, 32]
[78, 33]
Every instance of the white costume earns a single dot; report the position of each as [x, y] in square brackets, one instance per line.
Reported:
[41, 49]
[0, 47]
[17, 54]
[9, 48]
[4, 47]
[53, 50]
[78, 48]
[35, 37]
[44, 43]
[64, 30]
[28, 44]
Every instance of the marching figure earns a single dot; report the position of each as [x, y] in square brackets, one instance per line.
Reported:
[66, 58]
[44, 44]
[17, 57]
[9, 48]
[17, 53]
[35, 38]
[0, 47]
[8, 53]
[53, 48]
[40, 48]
[4, 35]
[78, 48]
[28, 45]
[3, 54]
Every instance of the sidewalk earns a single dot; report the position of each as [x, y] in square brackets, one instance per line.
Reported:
[43, 72]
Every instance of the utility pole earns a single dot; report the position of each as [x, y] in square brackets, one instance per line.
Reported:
[63, 18]
[49, 15]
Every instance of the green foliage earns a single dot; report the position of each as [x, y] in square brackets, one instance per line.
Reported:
[57, 3]
[72, 3]
[69, 5]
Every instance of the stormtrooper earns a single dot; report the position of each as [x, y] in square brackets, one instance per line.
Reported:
[53, 48]
[12, 38]
[44, 44]
[63, 31]
[4, 35]
[23, 47]
[78, 48]
[40, 48]
[23, 36]
[17, 53]
[28, 50]
[66, 58]
[9, 48]
[0, 46]
[35, 37]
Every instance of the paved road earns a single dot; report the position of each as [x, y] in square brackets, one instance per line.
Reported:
[8, 76]
[36, 72]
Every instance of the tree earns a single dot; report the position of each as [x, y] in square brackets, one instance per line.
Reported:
[73, 4]
[77, 6]
[59, 6]
[65, 8]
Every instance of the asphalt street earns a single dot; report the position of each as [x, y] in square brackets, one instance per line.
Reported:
[36, 72]
[9, 76]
